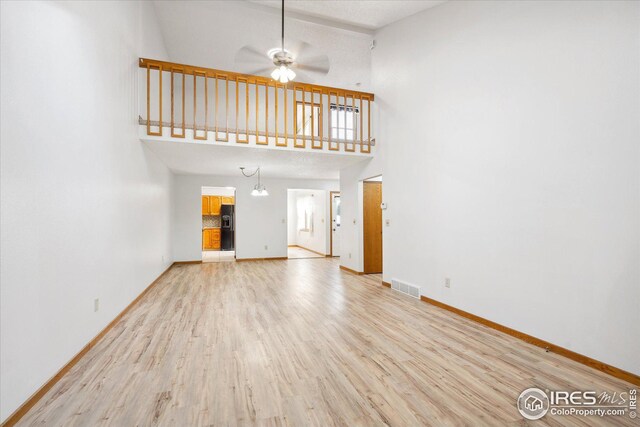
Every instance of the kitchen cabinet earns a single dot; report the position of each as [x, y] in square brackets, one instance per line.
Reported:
[205, 205]
[214, 205]
[211, 238]
[211, 205]
[227, 200]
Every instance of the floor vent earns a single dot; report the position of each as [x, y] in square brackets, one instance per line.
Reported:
[405, 288]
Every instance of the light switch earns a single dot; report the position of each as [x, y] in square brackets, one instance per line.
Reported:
[387, 222]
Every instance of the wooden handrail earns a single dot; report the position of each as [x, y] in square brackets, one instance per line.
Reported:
[339, 106]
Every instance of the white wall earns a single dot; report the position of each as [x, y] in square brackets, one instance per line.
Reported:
[514, 167]
[292, 215]
[85, 207]
[317, 237]
[260, 221]
[351, 247]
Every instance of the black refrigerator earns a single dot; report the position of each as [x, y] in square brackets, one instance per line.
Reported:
[228, 228]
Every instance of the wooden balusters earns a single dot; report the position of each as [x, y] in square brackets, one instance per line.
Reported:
[333, 144]
[368, 141]
[316, 120]
[349, 111]
[281, 88]
[246, 114]
[226, 110]
[195, 105]
[149, 68]
[258, 84]
[316, 113]
[173, 122]
[298, 122]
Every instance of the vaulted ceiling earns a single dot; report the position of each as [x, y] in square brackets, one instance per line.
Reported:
[210, 33]
[358, 15]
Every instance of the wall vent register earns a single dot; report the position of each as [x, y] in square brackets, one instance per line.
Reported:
[405, 288]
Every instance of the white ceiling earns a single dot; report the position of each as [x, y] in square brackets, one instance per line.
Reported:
[360, 14]
[209, 159]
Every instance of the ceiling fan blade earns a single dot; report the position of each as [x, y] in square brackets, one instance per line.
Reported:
[249, 54]
[318, 64]
[261, 71]
[303, 77]
[299, 48]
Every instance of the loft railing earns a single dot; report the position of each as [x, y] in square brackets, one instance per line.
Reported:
[205, 103]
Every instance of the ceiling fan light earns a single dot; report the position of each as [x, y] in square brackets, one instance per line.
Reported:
[290, 74]
[282, 74]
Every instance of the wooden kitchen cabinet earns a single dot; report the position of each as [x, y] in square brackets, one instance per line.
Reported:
[211, 205]
[214, 205]
[228, 200]
[205, 205]
[215, 238]
[211, 238]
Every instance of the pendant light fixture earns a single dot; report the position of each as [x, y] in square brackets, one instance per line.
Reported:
[259, 190]
[282, 60]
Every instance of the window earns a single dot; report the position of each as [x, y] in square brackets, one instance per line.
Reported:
[305, 115]
[344, 121]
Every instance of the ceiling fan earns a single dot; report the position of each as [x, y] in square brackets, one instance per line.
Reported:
[300, 57]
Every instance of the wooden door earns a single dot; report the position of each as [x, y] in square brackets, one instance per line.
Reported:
[205, 205]
[372, 227]
[214, 205]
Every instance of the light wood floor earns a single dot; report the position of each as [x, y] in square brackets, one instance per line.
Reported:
[296, 252]
[218, 256]
[298, 343]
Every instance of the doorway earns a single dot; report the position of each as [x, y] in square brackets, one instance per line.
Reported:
[335, 223]
[307, 234]
[372, 225]
[218, 224]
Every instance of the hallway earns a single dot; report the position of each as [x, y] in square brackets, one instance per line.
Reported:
[301, 343]
[297, 252]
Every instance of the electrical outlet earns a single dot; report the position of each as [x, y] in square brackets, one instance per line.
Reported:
[284, 220]
[266, 248]
[447, 282]
[349, 255]
[96, 304]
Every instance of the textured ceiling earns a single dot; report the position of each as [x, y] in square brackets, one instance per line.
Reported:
[360, 14]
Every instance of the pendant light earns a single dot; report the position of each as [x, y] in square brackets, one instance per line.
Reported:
[259, 190]
[282, 60]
